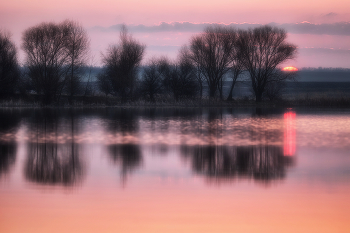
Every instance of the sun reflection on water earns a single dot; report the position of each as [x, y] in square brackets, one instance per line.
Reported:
[289, 133]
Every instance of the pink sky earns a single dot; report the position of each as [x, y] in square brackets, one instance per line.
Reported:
[324, 48]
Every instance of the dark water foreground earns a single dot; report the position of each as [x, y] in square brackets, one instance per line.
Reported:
[174, 170]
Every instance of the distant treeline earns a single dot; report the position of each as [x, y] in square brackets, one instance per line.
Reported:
[336, 69]
[56, 67]
[324, 75]
[306, 74]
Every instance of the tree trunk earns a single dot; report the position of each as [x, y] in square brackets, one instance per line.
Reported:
[212, 91]
[201, 90]
[229, 98]
[47, 99]
[151, 96]
[258, 97]
[220, 89]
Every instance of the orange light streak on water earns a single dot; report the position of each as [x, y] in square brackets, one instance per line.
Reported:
[289, 133]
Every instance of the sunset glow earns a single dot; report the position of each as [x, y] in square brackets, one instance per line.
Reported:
[290, 68]
[187, 116]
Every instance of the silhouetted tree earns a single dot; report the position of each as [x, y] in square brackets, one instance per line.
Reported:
[181, 78]
[237, 66]
[185, 53]
[121, 62]
[153, 77]
[55, 56]
[261, 50]
[274, 88]
[46, 58]
[88, 87]
[9, 69]
[212, 53]
[77, 46]
[104, 83]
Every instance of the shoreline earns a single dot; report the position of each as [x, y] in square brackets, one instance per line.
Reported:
[342, 102]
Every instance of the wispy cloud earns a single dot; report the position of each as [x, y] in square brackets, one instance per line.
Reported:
[340, 28]
[326, 51]
[171, 27]
[330, 15]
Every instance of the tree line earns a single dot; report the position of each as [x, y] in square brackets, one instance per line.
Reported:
[56, 57]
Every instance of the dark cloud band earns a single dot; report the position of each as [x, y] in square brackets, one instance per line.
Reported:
[341, 28]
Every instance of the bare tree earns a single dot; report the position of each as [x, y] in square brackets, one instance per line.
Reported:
[212, 53]
[88, 89]
[55, 58]
[46, 58]
[181, 80]
[104, 84]
[185, 53]
[237, 66]
[121, 62]
[77, 46]
[153, 77]
[9, 68]
[262, 49]
[274, 88]
[234, 73]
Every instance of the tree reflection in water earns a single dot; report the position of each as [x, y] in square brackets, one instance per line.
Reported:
[262, 161]
[127, 155]
[7, 156]
[225, 163]
[122, 120]
[50, 160]
[228, 148]
[9, 122]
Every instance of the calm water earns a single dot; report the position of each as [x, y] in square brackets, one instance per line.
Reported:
[174, 170]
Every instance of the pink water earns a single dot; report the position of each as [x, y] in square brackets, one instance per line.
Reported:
[174, 171]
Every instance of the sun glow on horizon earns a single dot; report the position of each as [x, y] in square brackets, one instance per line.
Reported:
[290, 68]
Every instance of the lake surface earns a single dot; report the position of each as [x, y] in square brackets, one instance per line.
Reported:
[174, 170]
